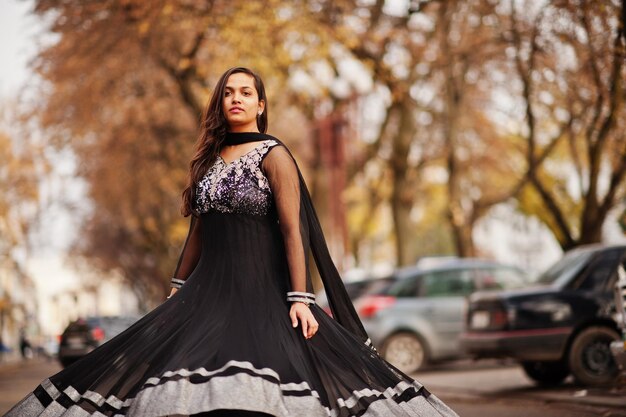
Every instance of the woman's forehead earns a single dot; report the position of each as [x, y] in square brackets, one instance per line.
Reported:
[240, 80]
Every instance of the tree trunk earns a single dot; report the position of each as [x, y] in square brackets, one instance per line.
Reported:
[402, 226]
[401, 194]
[457, 214]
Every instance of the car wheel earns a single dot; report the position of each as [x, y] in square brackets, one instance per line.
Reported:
[405, 351]
[590, 357]
[546, 373]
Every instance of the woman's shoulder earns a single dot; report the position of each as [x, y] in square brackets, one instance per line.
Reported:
[276, 152]
[268, 144]
[272, 142]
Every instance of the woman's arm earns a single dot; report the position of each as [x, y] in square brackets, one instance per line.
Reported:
[285, 185]
[281, 171]
[189, 256]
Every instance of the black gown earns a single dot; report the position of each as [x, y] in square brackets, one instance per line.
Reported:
[225, 341]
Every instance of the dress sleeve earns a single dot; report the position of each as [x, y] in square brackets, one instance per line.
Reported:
[190, 254]
[282, 174]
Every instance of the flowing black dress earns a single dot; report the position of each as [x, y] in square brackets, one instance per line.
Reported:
[225, 341]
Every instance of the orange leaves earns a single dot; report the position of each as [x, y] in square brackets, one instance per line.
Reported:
[143, 27]
[20, 162]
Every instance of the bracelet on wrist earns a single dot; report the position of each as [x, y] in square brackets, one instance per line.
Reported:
[301, 297]
[369, 344]
[176, 283]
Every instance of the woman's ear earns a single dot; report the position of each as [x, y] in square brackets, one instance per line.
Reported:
[261, 107]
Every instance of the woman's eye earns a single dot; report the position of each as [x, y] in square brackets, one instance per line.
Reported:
[227, 93]
[246, 93]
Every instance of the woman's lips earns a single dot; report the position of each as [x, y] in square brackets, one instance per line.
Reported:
[236, 110]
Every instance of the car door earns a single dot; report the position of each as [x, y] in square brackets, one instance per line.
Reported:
[594, 286]
[445, 292]
[409, 310]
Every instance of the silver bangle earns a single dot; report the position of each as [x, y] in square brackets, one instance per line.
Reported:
[301, 297]
[301, 294]
[176, 283]
[369, 344]
[300, 300]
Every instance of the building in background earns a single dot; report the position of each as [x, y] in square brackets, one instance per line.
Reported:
[18, 309]
[109, 297]
[35, 312]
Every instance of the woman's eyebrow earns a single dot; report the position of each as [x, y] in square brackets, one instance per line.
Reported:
[242, 87]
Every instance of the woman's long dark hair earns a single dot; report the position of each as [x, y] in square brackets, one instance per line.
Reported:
[212, 133]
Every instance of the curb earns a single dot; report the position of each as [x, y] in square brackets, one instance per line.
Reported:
[595, 400]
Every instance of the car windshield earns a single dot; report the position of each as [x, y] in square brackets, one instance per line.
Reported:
[112, 325]
[356, 289]
[499, 278]
[381, 285]
[565, 269]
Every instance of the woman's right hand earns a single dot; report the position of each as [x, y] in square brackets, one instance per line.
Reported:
[302, 312]
[172, 292]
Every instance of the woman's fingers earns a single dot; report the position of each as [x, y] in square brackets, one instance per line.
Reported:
[306, 319]
[313, 326]
[309, 325]
[294, 317]
[305, 326]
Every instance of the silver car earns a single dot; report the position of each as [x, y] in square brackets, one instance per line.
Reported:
[419, 318]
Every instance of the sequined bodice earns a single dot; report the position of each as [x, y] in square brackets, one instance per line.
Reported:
[239, 186]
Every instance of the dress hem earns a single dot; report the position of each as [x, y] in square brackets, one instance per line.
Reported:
[237, 385]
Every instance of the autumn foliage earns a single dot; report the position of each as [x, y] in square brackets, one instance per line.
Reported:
[458, 106]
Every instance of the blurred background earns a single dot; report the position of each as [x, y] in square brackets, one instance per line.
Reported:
[425, 128]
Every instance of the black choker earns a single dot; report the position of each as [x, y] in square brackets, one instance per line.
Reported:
[237, 138]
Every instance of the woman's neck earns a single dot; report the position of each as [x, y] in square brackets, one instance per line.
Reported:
[243, 129]
[237, 138]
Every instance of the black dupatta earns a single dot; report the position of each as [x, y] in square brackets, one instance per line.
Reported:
[314, 242]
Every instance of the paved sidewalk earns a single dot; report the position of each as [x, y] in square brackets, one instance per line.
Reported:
[491, 382]
[17, 379]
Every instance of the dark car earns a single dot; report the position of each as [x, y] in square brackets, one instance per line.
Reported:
[84, 335]
[563, 326]
[419, 317]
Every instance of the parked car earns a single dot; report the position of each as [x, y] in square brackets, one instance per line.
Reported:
[83, 335]
[419, 318]
[618, 347]
[356, 289]
[564, 326]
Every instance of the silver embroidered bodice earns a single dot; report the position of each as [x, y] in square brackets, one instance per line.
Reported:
[239, 186]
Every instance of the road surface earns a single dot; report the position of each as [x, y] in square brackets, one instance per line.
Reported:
[472, 390]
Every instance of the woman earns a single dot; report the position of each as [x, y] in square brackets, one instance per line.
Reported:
[240, 333]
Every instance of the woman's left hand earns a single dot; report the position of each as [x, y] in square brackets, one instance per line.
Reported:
[302, 312]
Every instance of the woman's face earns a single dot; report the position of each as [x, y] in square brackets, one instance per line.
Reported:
[241, 104]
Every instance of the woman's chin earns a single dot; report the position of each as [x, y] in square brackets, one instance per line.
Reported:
[237, 125]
